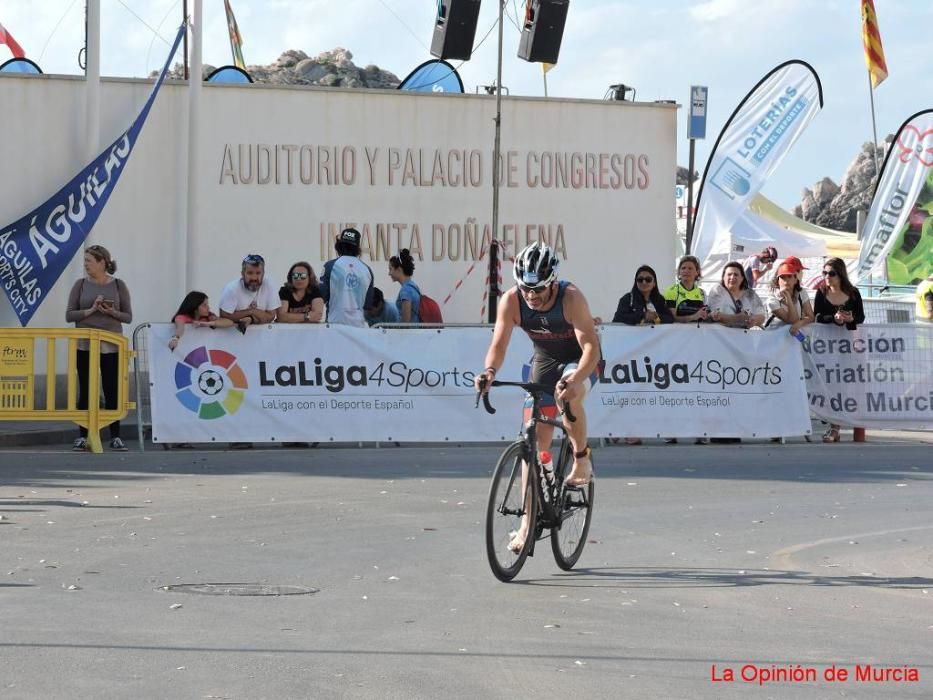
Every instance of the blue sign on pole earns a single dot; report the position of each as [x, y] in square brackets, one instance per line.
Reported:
[696, 124]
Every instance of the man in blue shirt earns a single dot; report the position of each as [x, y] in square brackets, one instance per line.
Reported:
[379, 311]
[347, 282]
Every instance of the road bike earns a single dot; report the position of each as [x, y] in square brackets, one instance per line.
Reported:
[521, 486]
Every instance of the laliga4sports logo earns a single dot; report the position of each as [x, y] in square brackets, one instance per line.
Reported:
[210, 383]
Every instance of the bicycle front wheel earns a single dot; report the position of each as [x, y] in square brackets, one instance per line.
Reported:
[575, 513]
[511, 497]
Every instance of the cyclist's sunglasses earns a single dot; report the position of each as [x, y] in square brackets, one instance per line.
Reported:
[254, 259]
[533, 288]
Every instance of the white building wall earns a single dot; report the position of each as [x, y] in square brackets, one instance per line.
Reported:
[606, 231]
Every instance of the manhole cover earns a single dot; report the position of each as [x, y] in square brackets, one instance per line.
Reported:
[239, 589]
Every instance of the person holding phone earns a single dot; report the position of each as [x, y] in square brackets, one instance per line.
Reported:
[102, 302]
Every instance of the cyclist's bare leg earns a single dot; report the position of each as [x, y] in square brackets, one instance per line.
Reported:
[582, 470]
[545, 435]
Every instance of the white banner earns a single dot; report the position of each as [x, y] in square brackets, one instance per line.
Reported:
[753, 143]
[318, 383]
[903, 176]
[873, 377]
[688, 381]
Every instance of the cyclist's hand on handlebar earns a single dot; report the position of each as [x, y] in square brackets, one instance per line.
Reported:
[567, 390]
[483, 380]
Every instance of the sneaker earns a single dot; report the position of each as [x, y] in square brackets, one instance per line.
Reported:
[79, 445]
[118, 445]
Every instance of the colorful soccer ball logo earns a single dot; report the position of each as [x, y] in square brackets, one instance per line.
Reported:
[210, 383]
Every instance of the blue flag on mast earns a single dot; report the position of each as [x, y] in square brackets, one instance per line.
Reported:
[35, 249]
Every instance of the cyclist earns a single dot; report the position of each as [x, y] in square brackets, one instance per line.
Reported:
[557, 318]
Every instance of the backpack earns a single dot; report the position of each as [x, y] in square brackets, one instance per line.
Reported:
[430, 310]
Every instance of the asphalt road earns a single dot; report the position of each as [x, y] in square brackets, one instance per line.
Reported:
[701, 560]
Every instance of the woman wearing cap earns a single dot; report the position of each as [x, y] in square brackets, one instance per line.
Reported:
[788, 304]
[756, 266]
[838, 302]
[732, 303]
[102, 302]
[686, 298]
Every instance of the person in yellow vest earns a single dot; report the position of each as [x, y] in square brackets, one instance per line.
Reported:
[925, 300]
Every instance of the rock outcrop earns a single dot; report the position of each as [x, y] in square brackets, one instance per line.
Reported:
[833, 206]
[330, 68]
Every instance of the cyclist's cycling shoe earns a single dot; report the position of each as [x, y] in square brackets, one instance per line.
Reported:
[581, 463]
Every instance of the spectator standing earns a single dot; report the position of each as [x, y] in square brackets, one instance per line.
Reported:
[839, 302]
[300, 296]
[756, 266]
[687, 302]
[102, 302]
[788, 304]
[732, 303]
[644, 304]
[380, 312]
[195, 310]
[408, 302]
[250, 298]
[686, 298]
[347, 282]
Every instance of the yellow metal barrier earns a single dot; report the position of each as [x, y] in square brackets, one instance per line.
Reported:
[17, 378]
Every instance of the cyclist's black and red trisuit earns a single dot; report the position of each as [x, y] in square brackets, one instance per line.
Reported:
[557, 351]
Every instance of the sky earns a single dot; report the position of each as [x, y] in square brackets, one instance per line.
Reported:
[660, 47]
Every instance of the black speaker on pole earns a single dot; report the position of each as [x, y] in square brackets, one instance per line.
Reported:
[454, 29]
[543, 30]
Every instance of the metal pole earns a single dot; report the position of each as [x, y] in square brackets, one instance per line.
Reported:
[184, 18]
[544, 73]
[693, 143]
[874, 130]
[493, 272]
[194, 126]
[92, 93]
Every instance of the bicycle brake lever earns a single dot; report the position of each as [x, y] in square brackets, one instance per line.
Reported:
[567, 412]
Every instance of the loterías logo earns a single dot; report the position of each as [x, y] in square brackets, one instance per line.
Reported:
[210, 383]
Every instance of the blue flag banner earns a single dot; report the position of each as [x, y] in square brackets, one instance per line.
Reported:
[435, 75]
[35, 249]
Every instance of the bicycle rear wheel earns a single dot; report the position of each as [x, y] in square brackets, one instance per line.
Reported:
[509, 499]
[575, 513]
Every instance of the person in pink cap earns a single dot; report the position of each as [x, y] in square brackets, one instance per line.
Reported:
[788, 304]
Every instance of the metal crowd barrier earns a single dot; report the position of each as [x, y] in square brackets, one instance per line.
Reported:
[141, 378]
[17, 378]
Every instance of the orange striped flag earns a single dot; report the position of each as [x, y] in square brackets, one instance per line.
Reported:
[871, 38]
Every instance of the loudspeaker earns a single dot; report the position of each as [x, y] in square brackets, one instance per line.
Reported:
[543, 30]
[454, 29]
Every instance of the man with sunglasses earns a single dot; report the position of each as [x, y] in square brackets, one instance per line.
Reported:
[250, 298]
[557, 318]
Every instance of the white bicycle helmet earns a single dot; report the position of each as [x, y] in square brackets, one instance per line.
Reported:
[535, 266]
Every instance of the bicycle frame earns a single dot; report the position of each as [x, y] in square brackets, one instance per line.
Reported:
[548, 494]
